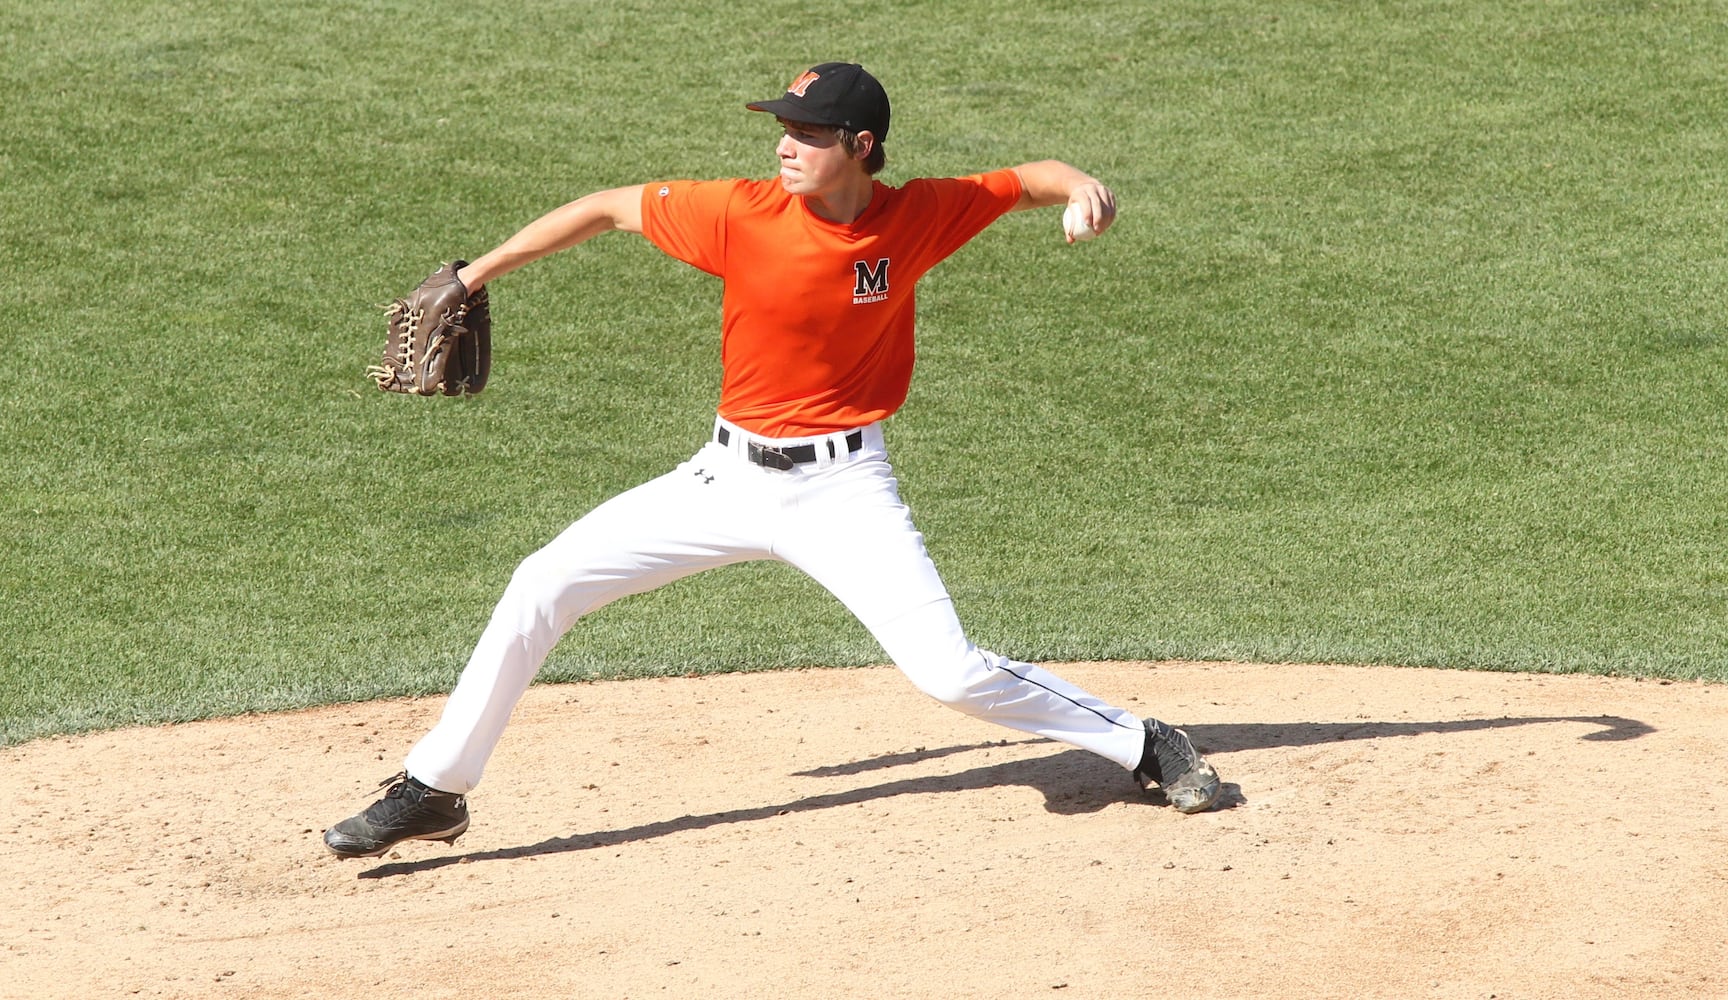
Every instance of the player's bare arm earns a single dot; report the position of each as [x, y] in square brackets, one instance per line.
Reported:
[568, 225]
[1052, 182]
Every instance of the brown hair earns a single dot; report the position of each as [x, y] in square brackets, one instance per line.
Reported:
[873, 163]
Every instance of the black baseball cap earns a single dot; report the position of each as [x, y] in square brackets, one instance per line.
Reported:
[833, 93]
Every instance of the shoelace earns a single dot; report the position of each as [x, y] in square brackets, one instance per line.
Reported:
[399, 778]
[1171, 754]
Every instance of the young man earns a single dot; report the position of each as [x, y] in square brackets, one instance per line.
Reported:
[817, 314]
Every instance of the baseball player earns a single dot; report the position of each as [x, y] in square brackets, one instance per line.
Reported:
[819, 265]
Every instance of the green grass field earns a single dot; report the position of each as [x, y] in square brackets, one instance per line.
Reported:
[1408, 348]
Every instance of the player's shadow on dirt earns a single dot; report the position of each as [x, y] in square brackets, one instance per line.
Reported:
[1226, 738]
[1072, 781]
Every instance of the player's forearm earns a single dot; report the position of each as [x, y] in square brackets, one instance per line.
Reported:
[1050, 182]
[560, 229]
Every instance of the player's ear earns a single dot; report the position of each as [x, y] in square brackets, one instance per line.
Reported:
[865, 145]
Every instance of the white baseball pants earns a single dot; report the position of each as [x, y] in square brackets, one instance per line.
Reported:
[838, 518]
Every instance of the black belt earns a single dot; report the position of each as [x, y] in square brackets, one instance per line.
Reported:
[786, 458]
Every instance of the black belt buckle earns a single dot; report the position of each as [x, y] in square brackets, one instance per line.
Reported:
[786, 459]
[769, 458]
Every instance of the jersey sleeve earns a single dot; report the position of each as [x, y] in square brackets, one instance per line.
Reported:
[962, 207]
[687, 220]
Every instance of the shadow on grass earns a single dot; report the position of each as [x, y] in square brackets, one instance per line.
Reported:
[1072, 782]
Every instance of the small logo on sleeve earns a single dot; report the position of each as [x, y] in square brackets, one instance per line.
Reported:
[870, 284]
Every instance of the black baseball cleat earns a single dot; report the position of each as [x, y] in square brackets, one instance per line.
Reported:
[408, 811]
[1172, 766]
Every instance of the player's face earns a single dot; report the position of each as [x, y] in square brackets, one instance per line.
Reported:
[812, 159]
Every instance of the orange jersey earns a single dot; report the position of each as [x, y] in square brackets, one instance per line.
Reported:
[816, 317]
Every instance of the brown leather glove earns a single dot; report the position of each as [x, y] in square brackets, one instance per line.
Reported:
[440, 339]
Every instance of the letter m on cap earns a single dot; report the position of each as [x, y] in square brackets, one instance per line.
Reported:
[800, 85]
[870, 281]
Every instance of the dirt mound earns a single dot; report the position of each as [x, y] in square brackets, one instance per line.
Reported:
[828, 833]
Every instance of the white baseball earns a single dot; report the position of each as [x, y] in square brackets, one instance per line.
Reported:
[1074, 225]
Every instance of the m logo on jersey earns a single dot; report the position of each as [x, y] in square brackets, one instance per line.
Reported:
[870, 284]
